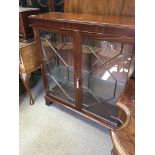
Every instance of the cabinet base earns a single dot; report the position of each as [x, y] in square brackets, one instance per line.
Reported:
[110, 124]
[47, 102]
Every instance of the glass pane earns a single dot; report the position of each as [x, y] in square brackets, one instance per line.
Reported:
[58, 57]
[105, 67]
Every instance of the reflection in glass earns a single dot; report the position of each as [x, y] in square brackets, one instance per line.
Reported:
[58, 57]
[105, 67]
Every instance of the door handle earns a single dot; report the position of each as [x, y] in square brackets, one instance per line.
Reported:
[77, 83]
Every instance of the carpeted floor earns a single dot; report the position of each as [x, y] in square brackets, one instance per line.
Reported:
[54, 130]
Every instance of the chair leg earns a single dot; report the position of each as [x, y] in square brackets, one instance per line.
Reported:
[25, 78]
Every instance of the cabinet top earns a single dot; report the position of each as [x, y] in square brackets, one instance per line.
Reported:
[90, 19]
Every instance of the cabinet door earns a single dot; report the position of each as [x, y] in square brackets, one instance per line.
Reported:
[57, 50]
[105, 66]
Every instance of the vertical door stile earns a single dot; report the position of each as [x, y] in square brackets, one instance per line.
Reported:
[77, 50]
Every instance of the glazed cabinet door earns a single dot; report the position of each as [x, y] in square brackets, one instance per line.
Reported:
[105, 66]
[57, 49]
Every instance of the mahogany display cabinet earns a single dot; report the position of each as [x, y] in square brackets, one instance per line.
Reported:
[85, 62]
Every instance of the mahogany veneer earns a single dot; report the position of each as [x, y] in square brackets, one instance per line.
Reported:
[77, 27]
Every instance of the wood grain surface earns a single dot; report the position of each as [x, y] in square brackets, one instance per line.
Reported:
[124, 139]
[101, 7]
[87, 18]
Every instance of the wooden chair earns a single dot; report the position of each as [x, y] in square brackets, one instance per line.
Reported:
[29, 61]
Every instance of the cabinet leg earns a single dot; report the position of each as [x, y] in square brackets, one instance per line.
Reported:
[25, 78]
[48, 103]
[47, 100]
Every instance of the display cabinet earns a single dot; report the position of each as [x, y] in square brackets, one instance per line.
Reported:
[85, 62]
